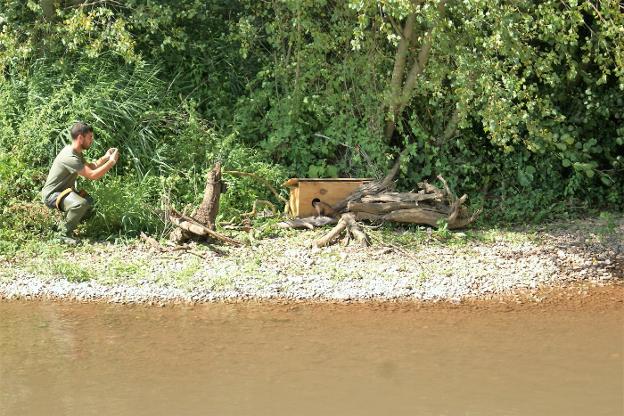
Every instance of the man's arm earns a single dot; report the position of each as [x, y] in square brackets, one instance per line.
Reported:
[102, 160]
[94, 174]
[98, 163]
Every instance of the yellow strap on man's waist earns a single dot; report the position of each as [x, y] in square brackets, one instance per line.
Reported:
[61, 197]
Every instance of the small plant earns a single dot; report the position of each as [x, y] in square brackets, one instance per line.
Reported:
[610, 223]
[221, 283]
[184, 276]
[72, 272]
[442, 232]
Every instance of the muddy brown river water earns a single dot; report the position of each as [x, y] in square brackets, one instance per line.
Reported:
[312, 359]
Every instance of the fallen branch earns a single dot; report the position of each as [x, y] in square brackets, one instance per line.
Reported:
[355, 231]
[193, 226]
[332, 235]
[347, 222]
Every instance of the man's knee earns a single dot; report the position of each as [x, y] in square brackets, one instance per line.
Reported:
[76, 204]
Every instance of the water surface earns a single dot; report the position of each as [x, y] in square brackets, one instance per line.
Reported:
[319, 359]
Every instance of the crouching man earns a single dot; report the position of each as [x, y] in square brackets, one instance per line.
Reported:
[60, 191]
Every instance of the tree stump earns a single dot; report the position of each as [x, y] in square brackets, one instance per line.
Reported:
[207, 211]
[209, 207]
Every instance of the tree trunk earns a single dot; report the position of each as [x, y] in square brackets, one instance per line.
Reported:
[49, 9]
[398, 71]
[402, 91]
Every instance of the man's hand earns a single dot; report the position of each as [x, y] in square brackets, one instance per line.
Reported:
[113, 155]
[110, 151]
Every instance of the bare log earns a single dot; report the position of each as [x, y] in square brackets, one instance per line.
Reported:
[400, 197]
[415, 216]
[379, 208]
[367, 216]
[427, 217]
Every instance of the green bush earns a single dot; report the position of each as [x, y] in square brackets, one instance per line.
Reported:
[124, 205]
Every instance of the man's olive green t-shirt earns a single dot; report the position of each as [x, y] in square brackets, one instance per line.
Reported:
[63, 172]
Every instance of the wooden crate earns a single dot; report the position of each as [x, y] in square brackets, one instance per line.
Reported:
[331, 191]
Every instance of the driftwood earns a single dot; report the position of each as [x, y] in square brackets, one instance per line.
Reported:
[407, 197]
[347, 222]
[377, 208]
[454, 214]
[370, 188]
[375, 201]
[193, 226]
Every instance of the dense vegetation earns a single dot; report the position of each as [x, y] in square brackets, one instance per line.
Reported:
[518, 103]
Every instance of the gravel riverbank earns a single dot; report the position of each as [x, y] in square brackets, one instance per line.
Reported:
[416, 266]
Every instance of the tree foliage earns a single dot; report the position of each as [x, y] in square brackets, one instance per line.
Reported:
[519, 103]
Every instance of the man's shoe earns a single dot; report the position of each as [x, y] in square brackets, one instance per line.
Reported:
[63, 238]
[70, 241]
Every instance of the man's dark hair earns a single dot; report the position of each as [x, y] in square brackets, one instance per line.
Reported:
[80, 128]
